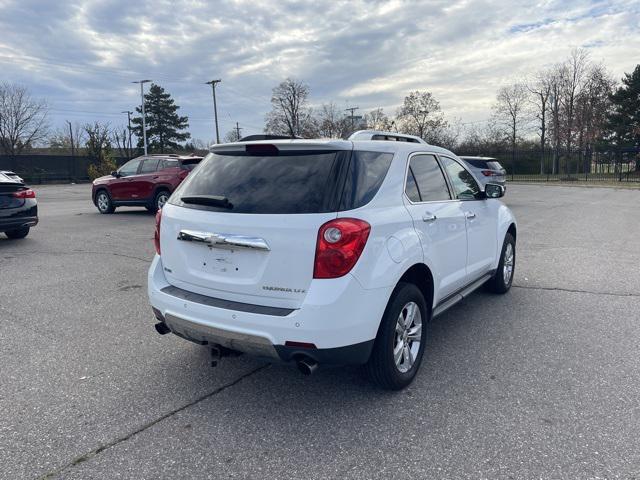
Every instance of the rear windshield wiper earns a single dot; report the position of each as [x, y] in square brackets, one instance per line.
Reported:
[208, 200]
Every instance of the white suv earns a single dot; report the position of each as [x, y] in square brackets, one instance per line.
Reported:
[327, 251]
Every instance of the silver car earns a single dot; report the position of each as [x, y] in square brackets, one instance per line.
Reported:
[486, 169]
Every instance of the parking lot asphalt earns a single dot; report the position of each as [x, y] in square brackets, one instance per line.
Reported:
[543, 382]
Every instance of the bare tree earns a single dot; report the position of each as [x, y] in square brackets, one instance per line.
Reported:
[98, 142]
[69, 138]
[290, 114]
[592, 105]
[540, 89]
[331, 122]
[23, 119]
[573, 74]
[121, 139]
[377, 120]
[231, 136]
[510, 111]
[419, 114]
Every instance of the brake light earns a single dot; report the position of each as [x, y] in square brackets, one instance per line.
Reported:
[340, 243]
[156, 234]
[28, 193]
[488, 173]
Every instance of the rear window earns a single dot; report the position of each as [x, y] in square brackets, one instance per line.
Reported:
[290, 182]
[484, 164]
[295, 182]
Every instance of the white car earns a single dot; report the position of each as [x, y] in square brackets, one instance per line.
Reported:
[486, 169]
[327, 251]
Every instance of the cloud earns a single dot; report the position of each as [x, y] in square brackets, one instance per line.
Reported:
[82, 56]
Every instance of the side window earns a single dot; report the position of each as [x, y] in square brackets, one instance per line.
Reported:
[168, 163]
[149, 165]
[464, 185]
[130, 168]
[366, 173]
[425, 180]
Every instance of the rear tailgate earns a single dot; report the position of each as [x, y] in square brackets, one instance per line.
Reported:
[258, 245]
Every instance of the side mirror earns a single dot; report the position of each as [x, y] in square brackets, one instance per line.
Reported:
[115, 174]
[493, 190]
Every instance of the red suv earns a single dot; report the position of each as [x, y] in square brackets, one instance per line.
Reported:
[145, 181]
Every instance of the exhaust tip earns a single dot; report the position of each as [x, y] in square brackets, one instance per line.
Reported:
[307, 366]
[162, 328]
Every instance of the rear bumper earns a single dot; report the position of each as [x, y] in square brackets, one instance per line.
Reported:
[26, 216]
[338, 316]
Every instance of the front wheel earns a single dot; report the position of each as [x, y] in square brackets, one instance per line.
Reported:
[399, 346]
[18, 233]
[503, 278]
[104, 203]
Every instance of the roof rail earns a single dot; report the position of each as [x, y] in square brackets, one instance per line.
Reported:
[380, 135]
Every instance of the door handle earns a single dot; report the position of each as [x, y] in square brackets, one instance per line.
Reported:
[470, 215]
[429, 217]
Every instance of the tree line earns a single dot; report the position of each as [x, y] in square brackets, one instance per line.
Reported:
[563, 112]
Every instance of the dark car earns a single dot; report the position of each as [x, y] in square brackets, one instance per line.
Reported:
[18, 208]
[146, 181]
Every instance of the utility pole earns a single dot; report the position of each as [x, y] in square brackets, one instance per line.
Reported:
[73, 152]
[352, 110]
[215, 107]
[129, 120]
[144, 120]
[238, 130]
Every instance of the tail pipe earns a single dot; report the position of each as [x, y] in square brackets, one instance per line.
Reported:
[307, 366]
[162, 328]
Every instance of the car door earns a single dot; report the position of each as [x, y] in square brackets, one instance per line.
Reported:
[439, 221]
[481, 218]
[143, 184]
[120, 187]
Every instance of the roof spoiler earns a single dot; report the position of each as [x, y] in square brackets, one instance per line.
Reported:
[253, 138]
[361, 135]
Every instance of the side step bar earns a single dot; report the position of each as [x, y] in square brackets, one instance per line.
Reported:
[451, 300]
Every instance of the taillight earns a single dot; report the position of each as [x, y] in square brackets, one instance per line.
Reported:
[340, 243]
[156, 234]
[28, 193]
[488, 173]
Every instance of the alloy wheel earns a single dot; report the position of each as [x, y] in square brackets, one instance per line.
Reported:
[408, 337]
[507, 266]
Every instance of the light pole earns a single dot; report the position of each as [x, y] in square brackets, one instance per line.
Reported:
[215, 108]
[129, 121]
[144, 121]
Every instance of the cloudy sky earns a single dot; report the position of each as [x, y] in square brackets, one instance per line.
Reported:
[82, 56]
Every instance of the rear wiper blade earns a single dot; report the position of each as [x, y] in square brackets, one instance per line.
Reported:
[208, 200]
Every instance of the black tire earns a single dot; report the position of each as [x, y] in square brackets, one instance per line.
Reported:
[159, 200]
[498, 283]
[18, 233]
[104, 202]
[382, 367]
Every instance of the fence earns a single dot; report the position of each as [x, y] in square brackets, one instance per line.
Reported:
[36, 169]
[550, 165]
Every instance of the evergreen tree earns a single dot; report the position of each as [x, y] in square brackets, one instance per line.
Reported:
[623, 122]
[165, 128]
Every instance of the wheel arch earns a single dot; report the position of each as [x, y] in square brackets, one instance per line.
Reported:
[420, 275]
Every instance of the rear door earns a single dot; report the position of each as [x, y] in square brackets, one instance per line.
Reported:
[259, 248]
[481, 218]
[439, 220]
[143, 184]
